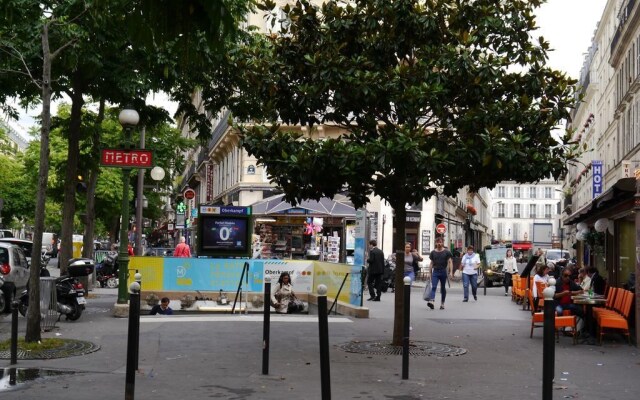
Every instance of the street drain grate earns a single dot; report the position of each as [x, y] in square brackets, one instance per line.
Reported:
[416, 348]
[70, 348]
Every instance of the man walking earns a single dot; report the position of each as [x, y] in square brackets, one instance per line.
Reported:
[376, 269]
[182, 249]
[441, 262]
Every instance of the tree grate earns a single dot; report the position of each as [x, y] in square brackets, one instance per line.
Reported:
[69, 348]
[416, 348]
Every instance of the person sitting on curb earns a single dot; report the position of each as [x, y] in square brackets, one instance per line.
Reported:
[162, 308]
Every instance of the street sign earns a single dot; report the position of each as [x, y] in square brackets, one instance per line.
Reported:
[133, 158]
[189, 194]
[441, 228]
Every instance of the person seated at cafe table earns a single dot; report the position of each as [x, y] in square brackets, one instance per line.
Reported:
[597, 282]
[583, 279]
[566, 288]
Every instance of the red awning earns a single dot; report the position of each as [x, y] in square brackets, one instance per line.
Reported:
[524, 246]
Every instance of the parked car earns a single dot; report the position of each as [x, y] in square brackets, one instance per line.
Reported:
[25, 245]
[554, 256]
[492, 262]
[6, 233]
[14, 270]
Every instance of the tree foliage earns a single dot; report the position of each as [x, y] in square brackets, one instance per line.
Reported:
[432, 96]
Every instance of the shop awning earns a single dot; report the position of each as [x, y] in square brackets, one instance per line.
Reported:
[339, 206]
[623, 189]
[521, 246]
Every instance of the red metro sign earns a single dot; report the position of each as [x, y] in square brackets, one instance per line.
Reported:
[134, 158]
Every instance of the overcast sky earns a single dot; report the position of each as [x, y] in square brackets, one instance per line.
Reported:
[568, 25]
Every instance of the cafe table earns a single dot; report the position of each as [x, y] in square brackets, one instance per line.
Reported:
[588, 302]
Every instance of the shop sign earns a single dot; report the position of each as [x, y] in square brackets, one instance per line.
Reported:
[209, 182]
[597, 177]
[296, 211]
[133, 158]
[426, 242]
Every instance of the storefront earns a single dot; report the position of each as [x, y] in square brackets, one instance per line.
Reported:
[611, 250]
[312, 229]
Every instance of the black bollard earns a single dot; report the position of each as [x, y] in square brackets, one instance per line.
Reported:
[13, 374]
[265, 325]
[132, 340]
[138, 278]
[14, 331]
[406, 327]
[323, 325]
[548, 342]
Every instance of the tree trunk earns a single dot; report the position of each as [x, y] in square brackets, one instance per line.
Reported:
[92, 181]
[71, 178]
[399, 222]
[33, 316]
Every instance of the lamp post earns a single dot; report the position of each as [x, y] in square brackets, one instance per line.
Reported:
[128, 119]
[157, 174]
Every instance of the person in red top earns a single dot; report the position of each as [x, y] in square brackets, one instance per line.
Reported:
[182, 249]
[564, 290]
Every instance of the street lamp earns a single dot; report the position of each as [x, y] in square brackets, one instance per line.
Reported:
[157, 174]
[128, 118]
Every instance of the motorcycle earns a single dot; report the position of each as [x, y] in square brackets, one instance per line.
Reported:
[388, 276]
[70, 300]
[107, 271]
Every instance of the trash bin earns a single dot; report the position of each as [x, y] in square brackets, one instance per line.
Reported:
[48, 303]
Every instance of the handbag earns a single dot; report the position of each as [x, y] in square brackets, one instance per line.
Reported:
[426, 296]
[295, 306]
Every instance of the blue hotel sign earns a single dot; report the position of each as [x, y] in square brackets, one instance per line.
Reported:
[596, 166]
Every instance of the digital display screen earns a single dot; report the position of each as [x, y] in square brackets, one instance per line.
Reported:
[224, 233]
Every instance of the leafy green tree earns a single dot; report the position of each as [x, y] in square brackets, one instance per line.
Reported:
[17, 194]
[432, 95]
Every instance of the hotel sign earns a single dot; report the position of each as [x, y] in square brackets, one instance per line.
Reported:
[597, 178]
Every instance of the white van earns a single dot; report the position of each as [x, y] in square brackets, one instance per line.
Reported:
[47, 241]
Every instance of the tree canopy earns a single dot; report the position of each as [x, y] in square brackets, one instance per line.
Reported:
[432, 96]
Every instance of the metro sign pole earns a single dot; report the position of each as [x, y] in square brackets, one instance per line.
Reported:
[126, 159]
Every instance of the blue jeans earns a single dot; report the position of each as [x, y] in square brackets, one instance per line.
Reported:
[411, 275]
[439, 275]
[473, 279]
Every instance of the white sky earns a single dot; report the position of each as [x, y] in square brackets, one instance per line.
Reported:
[568, 25]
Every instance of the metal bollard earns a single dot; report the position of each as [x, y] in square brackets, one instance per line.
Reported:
[406, 326]
[132, 340]
[138, 278]
[323, 325]
[14, 331]
[266, 320]
[548, 341]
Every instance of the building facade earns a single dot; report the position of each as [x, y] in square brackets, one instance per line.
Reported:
[527, 213]
[600, 205]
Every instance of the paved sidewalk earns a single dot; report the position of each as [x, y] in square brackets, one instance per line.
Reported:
[220, 356]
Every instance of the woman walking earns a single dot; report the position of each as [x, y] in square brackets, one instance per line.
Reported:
[470, 264]
[510, 268]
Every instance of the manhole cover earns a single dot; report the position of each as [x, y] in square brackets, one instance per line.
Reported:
[70, 348]
[416, 348]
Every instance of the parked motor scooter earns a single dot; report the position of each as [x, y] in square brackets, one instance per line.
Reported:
[107, 271]
[388, 276]
[69, 291]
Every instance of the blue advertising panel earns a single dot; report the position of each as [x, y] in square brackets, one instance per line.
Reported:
[360, 232]
[597, 177]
